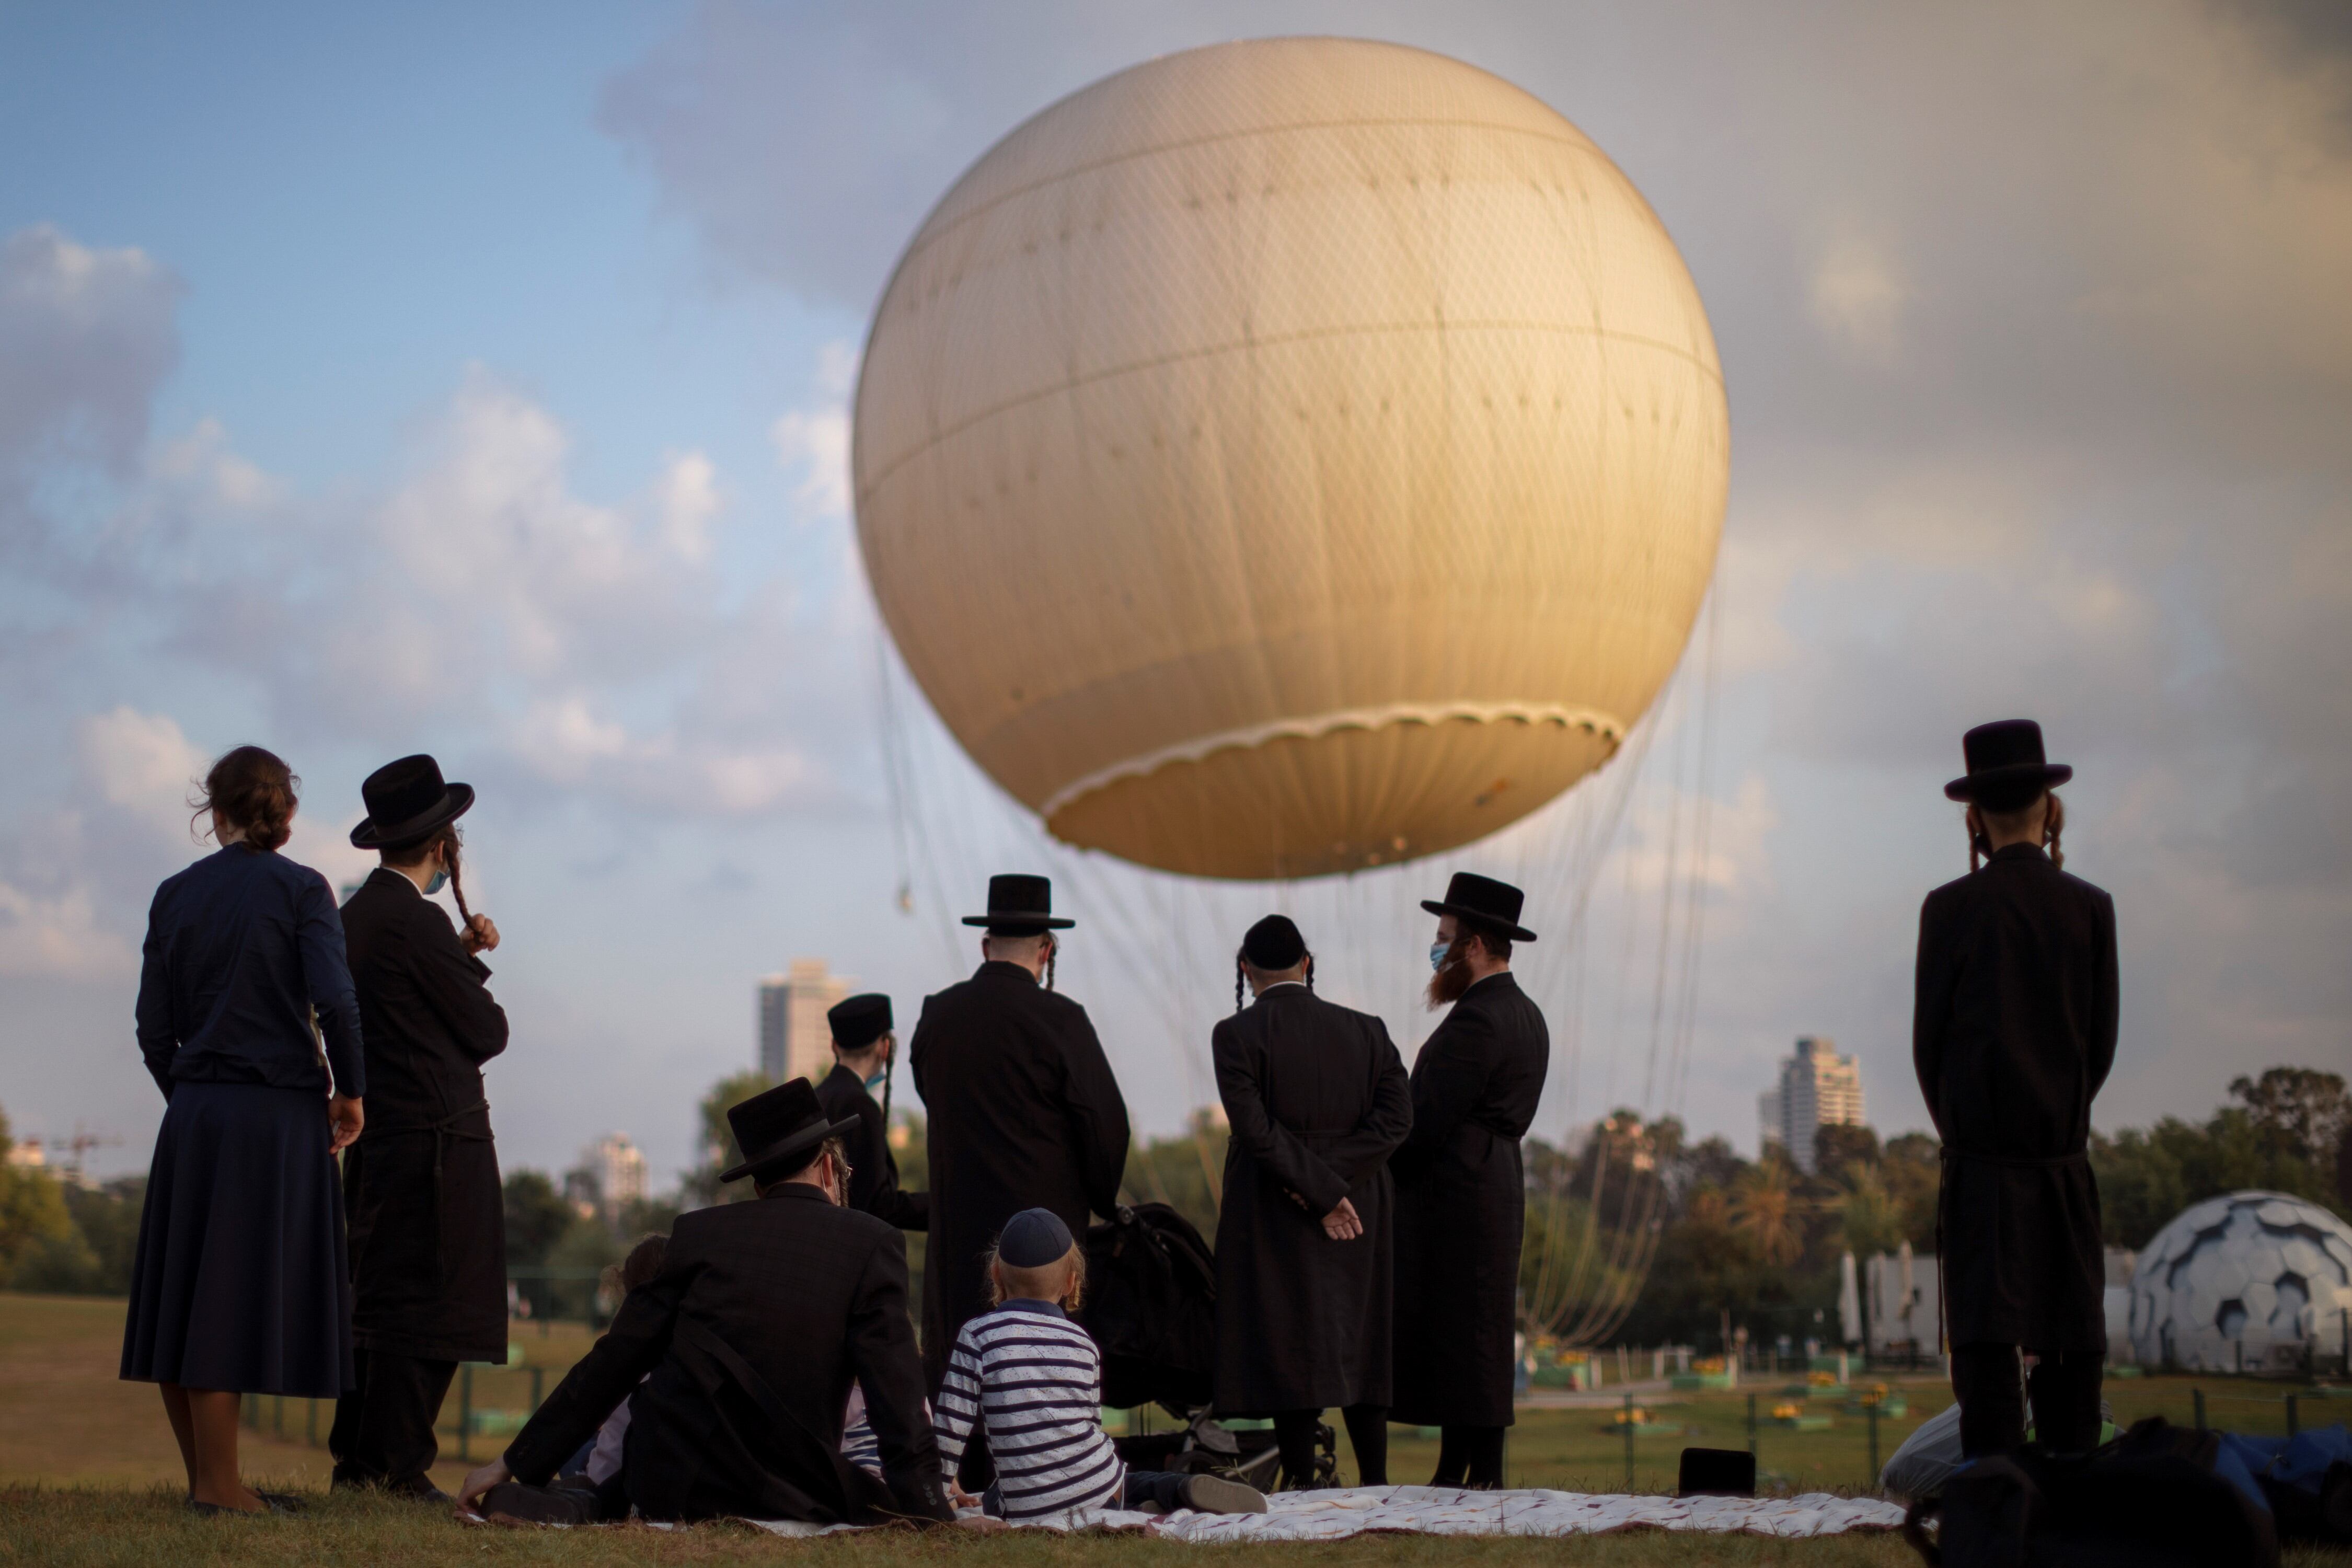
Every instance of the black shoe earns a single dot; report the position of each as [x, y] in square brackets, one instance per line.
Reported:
[419, 1489]
[1214, 1494]
[283, 1503]
[206, 1510]
[539, 1505]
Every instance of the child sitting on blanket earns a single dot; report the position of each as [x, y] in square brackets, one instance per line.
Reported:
[1034, 1380]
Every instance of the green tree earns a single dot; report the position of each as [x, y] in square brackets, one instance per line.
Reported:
[587, 1244]
[1838, 1147]
[2301, 1111]
[1763, 1211]
[1186, 1171]
[1870, 1218]
[108, 1217]
[34, 1220]
[537, 1218]
[2148, 1176]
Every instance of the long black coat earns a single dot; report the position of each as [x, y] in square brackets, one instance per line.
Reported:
[1462, 1207]
[1022, 1114]
[1316, 1100]
[763, 1315]
[2013, 1032]
[873, 1171]
[421, 1187]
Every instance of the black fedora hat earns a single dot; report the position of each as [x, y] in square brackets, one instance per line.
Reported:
[858, 1021]
[2006, 765]
[1019, 905]
[1482, 902]
[778, 1131]
[405, 800]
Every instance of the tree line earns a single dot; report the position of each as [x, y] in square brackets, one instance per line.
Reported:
[1757, 1241]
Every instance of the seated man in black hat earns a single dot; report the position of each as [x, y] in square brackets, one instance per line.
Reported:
[1023, 1111]
[748, 1341]
[2013, 1031]
[862, 1047]
[1461, 1196]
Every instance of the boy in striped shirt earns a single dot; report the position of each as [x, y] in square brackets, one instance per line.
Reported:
[1035, 1379]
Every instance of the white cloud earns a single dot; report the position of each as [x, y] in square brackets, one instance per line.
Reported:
[140, 762]
[1857, 297]
[687, 499]
[57, 937]
[814, 441]
[203, 467]
[86, 337]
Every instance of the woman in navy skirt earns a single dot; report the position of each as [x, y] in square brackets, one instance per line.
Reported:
[240, 1284]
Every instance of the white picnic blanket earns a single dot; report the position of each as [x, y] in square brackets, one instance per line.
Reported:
[1440, 1510]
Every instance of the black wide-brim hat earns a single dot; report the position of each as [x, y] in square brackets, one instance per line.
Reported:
[2006, 765]
[779, 1130]
[1482, 902]
[1019, 905]
[405, 800]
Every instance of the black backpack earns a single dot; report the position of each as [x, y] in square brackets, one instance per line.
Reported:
[2148, 1499]
[1151, 1307]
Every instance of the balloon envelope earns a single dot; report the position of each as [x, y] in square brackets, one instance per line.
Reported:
[1290, 456]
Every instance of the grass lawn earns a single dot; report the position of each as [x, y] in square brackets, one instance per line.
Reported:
[89, 1475]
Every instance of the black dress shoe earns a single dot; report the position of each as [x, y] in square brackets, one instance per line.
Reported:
[421, 1490]
[540, 1505]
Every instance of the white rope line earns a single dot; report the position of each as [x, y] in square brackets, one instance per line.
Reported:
[1591, 721]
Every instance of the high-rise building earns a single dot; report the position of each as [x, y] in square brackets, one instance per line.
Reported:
[795, 1041]
[610, 1176]
[1817, 1089]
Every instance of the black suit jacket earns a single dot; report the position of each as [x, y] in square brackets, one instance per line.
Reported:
[2013, 1032]
[421, 1187]
[1316, 1100]
[802, 1299]
[1022, 1114]
[1462, 1206]
[873, 1169]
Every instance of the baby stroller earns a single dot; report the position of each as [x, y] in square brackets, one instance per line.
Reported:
[1151, 1307]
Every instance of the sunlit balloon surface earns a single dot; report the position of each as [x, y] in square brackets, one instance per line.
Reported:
[1290, 456]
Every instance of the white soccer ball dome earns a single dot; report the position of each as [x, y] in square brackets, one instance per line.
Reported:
[2253, 1279]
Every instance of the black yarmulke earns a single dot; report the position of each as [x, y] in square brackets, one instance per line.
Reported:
[1274, 943]
[1032, 1240]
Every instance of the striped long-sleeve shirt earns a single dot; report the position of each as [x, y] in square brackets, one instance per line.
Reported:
[1036, 1379]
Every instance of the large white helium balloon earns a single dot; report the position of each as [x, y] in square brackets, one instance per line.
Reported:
[1290, 456]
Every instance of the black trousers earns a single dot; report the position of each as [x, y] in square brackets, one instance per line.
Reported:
[1367, 1431]
[382, 1435]
[1469, 1457]
[1992, 1386]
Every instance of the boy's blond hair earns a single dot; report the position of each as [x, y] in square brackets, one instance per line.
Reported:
[1063, 1280]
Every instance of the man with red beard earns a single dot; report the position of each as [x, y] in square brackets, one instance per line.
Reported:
[1460, 1195]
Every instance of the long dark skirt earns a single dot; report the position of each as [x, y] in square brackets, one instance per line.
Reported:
[240, 1281]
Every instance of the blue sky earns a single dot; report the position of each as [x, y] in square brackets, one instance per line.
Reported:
[472, 379]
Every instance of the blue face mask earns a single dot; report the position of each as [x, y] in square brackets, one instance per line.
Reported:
[440, 879]
[1437, 951]
[878, 1078]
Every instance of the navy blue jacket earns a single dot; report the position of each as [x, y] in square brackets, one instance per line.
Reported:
[240, 947]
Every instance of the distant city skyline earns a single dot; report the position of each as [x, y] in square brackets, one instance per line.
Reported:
[1816, 1087]
[796, 1037]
